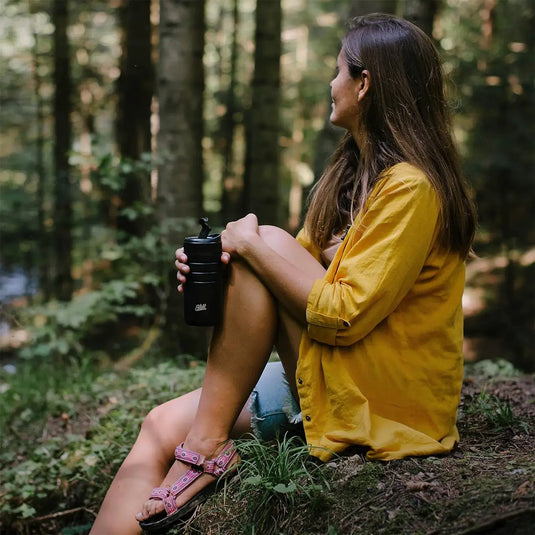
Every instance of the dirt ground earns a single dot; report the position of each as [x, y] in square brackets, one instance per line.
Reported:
[485, 486]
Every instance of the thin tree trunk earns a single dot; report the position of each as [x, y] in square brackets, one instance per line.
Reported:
[232, 185]
[261, 189]
[42, 236]
[63, 284]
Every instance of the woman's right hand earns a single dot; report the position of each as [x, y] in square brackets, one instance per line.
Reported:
[183, 268]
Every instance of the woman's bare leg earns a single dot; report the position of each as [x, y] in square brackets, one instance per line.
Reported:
[149, 461]
[237, 356]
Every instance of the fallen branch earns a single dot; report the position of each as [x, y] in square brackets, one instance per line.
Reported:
[62, 513]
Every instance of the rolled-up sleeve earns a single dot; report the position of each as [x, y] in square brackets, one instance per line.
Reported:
[382, 259]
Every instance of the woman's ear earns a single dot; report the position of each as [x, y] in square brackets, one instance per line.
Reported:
[364, 85]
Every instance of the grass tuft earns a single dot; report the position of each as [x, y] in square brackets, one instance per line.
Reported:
[274, 478]
[497, 413]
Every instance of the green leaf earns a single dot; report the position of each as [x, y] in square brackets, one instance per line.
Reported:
[252, 480]
[281, 488]
[26, 510]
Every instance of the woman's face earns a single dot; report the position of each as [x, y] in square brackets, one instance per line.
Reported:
[344, 95]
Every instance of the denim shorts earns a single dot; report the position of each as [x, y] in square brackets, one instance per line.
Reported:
[274, 410]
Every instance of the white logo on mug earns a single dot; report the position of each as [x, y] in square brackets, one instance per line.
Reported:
[200, 307]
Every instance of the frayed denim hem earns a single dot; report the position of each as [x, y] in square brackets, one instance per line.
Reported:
[272, 406]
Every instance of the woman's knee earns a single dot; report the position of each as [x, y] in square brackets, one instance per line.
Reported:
[271, 233]
[288, 247]
[172, 420]
[276, 237]
[152, 420]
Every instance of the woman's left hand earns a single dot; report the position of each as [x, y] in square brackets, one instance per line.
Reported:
[238, 235]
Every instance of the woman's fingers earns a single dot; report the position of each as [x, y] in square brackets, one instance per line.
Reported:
[182, 268]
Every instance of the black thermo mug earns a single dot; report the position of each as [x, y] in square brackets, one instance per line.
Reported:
[203, 291]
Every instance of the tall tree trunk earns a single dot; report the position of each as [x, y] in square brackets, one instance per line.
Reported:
[42, 236]
[63, 283]
[262, 161]
[232, 185]
[180, 175]
[422, 13]
[135, 90]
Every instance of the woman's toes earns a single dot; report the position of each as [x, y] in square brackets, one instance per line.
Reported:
[149, 509]
[153, 507]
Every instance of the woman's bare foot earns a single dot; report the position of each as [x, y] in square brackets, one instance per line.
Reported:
[210, 449]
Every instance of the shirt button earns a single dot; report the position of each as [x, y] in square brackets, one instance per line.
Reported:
[300, 381]
[307, 418]
[346, 324]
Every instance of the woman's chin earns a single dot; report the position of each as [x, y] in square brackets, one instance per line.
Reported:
[332, 118]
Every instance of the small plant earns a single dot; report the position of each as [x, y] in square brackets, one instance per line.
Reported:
[274, 478]
[59, 330]
[498, 413]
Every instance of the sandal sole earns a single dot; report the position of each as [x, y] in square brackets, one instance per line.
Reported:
[166, 521]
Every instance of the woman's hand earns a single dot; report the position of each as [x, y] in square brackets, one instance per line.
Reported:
[183, 268]
[239, 235]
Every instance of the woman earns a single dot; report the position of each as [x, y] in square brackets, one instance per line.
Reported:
[364, 307]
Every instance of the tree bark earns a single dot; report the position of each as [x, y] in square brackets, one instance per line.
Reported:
[180, 174]
[232, 185]
[261, 179]
[42, 237]
[63, 282]
[422, 13]
[135, 91]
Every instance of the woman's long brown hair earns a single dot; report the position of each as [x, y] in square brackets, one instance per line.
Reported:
[404, 118]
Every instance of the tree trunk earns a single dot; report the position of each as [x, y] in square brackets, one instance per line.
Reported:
[262, 162]
[63, 283]
[42, 236]
[180, 174]
[135, 90]
[232, 185]
[422, 13]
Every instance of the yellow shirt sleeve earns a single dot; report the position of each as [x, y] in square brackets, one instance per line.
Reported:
[377, 264]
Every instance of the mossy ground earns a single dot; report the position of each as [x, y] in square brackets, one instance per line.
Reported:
[486, 485]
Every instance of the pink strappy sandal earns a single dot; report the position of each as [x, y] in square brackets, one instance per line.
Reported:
[216, 467]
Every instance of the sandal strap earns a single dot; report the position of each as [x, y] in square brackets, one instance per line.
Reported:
[159, 493]
[199, 465]
[218, 466]
[177, 487]
[188, 456]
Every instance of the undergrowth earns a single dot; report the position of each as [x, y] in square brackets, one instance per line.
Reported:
[77, 424]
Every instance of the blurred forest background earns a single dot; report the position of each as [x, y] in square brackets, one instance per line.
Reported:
[123, 121]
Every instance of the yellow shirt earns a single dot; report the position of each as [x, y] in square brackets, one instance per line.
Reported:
[380, 364]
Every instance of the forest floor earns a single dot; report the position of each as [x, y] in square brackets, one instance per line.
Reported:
[485, 486]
